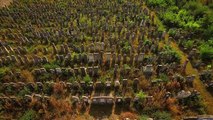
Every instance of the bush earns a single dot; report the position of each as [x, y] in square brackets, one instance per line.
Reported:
[184, 17]
[71, 79]
[197, 105]
[172, 32]
[143, 117]
[196, 8]
[192, 25]
[168, 51]
[162, 115]
[164, 77]
[2, 73]
[147, 42]
[29, 115]
[188, 44]
[172, 106]
[126, 67]
[206, 52]
[50, 66]
[87, 79]
[23, 92]
[141, 95]
[126, 47]
[169, 18]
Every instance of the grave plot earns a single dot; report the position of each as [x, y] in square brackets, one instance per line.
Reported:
[96, 58]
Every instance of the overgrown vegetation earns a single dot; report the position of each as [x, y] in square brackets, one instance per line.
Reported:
[126, 29]
[206, 51]
[170, 55]
[190, 19]
[29, 115]
[162, 115]
[87, 79]
[141, 95]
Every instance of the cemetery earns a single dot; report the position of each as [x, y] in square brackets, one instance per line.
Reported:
[106, 60]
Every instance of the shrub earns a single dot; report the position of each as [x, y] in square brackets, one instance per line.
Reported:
[71, 79]
[29, 115]
[27, 76]
[23, 92]
[126, 47]
[168, 51]
[164, 77]
[162, 115]
[2, 73]
[172, 106]
[206, 52]
[192, 25]
[188, 44]
[143, 117]
[141, 95]
[170, 19]
[126, 66]
[87, 79]
[196, 8]
[147, 42]
[184, 17]
[172, 32]
[45, 77]
[197, 105]
[58, 88]
[50, 66]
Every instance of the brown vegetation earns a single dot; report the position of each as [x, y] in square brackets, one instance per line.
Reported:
[171, 104]
[129, 115]
[4, 3]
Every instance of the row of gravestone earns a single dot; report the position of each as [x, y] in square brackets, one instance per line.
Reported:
[83, 71]
[59, 32]
[23, 60]
[147, 70]
[86, 100]
[94, 71]
[70, 87]
[74, 34]
[91, 58]
[87, 86]
[46, 14]
[65, 49]
[10, 50]
[75, 100]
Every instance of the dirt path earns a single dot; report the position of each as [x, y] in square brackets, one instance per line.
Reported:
[198, 85]
[4, 3]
